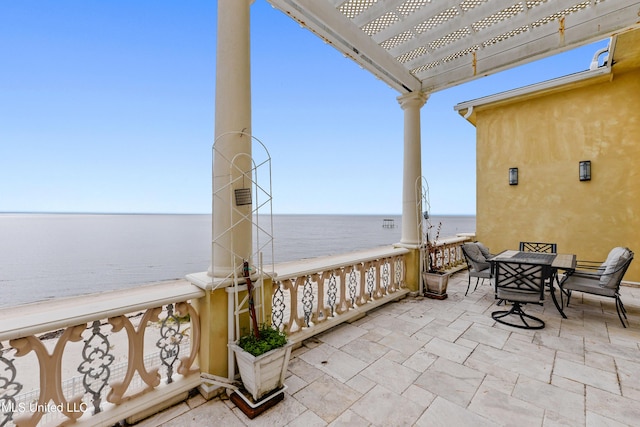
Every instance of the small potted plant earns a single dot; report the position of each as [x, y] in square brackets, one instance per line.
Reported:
[262, 355]
[435, 277]
[262, 360]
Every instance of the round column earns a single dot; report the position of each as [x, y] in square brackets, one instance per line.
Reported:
[232, 239]
[411, 103]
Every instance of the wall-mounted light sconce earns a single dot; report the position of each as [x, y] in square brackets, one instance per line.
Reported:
[243, 196]
[513, 176]
[585, 170]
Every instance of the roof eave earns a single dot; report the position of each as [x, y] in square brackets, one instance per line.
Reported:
[466, 108]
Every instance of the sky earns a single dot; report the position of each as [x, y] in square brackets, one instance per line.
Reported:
[108, 106]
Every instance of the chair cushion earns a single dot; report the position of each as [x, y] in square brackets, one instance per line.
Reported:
[484, 250]
[613, 255]
[588, 284]
[613, 267]
[483, 274]
[509, 294]
[478, 261]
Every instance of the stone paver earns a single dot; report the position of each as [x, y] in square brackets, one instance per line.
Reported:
[341, 335]
[442, 413]
[334, 362]
[326, 397]
[504, 409]
[393, 375]
[615, 407]
[447, 363]
[383, 407]
[551, 398]
[486, 335]
[456, 382]
[598, 378]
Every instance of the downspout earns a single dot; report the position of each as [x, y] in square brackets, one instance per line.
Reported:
[595, 63]
[468, 113]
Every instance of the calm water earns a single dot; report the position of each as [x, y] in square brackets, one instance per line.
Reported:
[43, 256]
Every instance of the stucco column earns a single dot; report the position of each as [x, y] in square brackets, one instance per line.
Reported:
[412, 170]
[231, 240]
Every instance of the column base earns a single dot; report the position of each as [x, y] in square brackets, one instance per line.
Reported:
[209, 391]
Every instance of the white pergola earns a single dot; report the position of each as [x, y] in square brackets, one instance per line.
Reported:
[417, 47]
[430, 45]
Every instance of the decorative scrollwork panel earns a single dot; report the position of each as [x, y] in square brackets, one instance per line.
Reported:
[186, 362]
[353, 285]
[63, 376]
[50, 366]
[10, 387]
[370, 280]
[311, 299]
[385, 278]
[307, 300]
[278, 305]
[135, 359]
[96, 365]
[332, 292]
[169, 342]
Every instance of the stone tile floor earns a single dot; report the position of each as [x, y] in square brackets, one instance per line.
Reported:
[447, 363]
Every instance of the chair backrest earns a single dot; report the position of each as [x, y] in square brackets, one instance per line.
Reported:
[614, 268]
[485, 250]
[519, 281]
[550, 248]
[474, 257]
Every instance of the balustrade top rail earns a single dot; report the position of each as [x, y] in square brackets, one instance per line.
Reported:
[288, 270]
[32, 319]
[463, 237]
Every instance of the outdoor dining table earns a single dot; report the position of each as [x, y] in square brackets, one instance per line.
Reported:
[565, 262]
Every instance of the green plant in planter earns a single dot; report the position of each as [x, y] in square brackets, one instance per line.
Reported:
[267, 340]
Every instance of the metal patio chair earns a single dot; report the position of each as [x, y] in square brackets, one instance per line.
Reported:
[600, 279]
[477, 263]
[519, 283]
[539, 247]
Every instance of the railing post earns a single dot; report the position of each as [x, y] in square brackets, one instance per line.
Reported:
[267, 304]
[217, 316]
[412, 272]
[213, 359]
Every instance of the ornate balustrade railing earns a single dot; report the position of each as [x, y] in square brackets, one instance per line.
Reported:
[102, 358]
[98, 359]
[448, 253]
[311, 296]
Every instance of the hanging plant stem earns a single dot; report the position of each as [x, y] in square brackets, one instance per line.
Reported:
[252, 308]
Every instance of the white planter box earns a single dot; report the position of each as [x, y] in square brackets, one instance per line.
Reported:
[264, 373]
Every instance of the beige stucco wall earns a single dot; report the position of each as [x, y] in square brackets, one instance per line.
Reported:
[545, 137]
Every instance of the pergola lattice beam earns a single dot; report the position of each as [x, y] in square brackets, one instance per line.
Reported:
[431, 45]
[333, 27]
[527, 46]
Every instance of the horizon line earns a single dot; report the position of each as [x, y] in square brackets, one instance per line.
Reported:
[205, 213]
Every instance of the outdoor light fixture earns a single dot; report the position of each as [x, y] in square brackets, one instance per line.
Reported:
[513, 176]
[243, 196]
[585, 170]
